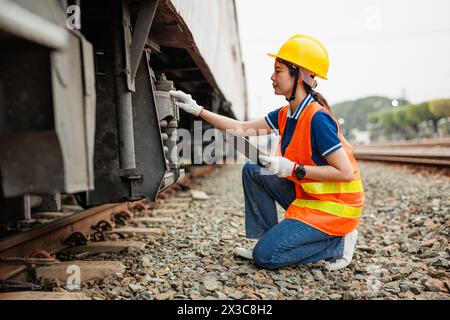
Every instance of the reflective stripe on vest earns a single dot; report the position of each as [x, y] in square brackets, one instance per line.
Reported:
[334, 208]
[332, 187]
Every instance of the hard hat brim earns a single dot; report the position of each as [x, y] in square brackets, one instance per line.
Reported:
[276, 56]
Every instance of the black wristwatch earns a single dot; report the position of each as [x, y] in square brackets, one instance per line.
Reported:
[299, 171]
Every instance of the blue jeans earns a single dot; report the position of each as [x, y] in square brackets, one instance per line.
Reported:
[289, 242]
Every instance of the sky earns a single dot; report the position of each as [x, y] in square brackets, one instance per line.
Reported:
[394, 48]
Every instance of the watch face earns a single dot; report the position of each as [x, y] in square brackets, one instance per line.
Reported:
[299, 172]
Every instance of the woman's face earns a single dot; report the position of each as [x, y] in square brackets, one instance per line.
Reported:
[281, 80]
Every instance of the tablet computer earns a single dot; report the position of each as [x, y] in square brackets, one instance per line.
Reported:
[249, 150]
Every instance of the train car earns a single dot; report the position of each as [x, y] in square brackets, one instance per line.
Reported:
[84, 102]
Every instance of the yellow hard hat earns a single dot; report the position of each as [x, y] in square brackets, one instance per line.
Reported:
[307, 52]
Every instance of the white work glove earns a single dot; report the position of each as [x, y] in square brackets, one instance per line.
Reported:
[186, 102]
[280, 166]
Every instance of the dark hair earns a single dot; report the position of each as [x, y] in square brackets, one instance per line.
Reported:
[316, 95]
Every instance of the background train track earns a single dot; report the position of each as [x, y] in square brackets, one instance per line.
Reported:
[432, 152]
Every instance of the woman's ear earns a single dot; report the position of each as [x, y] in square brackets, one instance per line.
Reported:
[300, 79]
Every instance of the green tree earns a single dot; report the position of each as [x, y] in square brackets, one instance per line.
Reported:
[373, 117]
[417, 113]
[440, 108]
[387, 119]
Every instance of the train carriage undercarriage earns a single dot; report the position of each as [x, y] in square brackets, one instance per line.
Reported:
[87, 111]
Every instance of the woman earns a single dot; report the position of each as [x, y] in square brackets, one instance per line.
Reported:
[314, 174]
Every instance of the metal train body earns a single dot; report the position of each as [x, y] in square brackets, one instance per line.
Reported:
[84, 103]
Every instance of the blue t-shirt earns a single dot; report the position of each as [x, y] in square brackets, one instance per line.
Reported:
[324, 131]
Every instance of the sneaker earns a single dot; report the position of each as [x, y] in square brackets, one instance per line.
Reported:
[246, 253]
[349, 249]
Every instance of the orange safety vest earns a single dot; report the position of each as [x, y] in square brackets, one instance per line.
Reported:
[331, 207]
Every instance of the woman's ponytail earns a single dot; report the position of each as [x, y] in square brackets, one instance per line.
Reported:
[317, 96]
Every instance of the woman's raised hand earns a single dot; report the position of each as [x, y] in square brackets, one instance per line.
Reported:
[186, 102]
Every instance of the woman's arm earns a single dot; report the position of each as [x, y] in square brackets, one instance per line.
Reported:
[324, 134]
[339, 168]
[239, 128]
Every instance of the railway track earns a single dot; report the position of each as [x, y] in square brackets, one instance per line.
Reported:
[433, 152]
[100, 227]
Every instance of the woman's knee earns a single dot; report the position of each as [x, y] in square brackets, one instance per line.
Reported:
[262, 256]
[249, 169]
